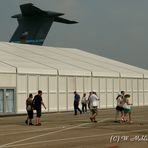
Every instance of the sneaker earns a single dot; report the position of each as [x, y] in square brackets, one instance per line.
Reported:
[91, 119]
[39, 124]
[31, 124]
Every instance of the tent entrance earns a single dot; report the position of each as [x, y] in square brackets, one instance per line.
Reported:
[7, 100]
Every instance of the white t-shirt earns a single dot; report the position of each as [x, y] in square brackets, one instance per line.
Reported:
[126, 105]
[84, 100]
[93, 100]
[120, 102]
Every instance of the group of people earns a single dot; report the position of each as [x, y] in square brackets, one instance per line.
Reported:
[34, 104]
[123, 107]
[91, 102]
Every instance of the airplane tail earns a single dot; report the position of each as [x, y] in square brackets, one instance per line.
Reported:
[34, 24]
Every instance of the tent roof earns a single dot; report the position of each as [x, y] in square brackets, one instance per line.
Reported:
[33, 59]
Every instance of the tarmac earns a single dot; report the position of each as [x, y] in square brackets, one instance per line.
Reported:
[66, 130]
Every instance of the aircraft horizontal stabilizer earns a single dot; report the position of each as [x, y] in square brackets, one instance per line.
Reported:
[62, 20]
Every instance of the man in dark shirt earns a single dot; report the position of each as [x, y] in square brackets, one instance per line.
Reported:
[37, 106]
[76, 102]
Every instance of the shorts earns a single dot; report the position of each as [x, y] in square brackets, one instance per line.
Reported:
[126, 110]
[119, 108]
[38, 113]
[94, 109]
[30, 114]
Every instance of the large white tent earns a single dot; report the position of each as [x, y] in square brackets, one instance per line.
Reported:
[58, 72]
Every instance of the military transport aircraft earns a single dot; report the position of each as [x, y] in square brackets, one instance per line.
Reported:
[34, 24]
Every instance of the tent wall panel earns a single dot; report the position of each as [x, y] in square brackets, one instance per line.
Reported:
[135, 85]
[123, 84]
[103, 85]
[53, 102]
[129, 85]
[22, 83]
[62, 93]
[62, 84]
[116, 85]
[95, 85]
[109, 84]
[70, 100]
[53, 93]
[135, 98]
[140, 84]
[146, 84]
[103, 100]
[103, 93]
[7, 80]
[71, 84]
[135, 91]
[141, 100]
[53, 84]
[62, 102]
[79, 84]
[109, 100]
[70, 88]
[87, 84]
[140, 92]
[33, 85]
[145, 91]
[109, 87]
[43, 83]
[22, 92]
[146, 98]
[21, 102]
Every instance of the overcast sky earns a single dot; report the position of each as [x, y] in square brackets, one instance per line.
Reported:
[116, 29]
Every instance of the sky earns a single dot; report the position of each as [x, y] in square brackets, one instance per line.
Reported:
[116, 29]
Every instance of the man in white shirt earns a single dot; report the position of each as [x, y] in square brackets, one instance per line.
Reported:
[93, 105]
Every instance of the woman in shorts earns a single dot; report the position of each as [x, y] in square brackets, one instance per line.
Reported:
[127, 107]
[119, 107]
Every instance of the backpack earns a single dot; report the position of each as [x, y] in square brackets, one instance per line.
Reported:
[34, 104]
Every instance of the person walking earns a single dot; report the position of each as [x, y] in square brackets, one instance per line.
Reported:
[93, 105]
[127, 107]
[76, 103]
[90, 93]
[37, 102]
[119, 107]
[29, 110]
[84, 103]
